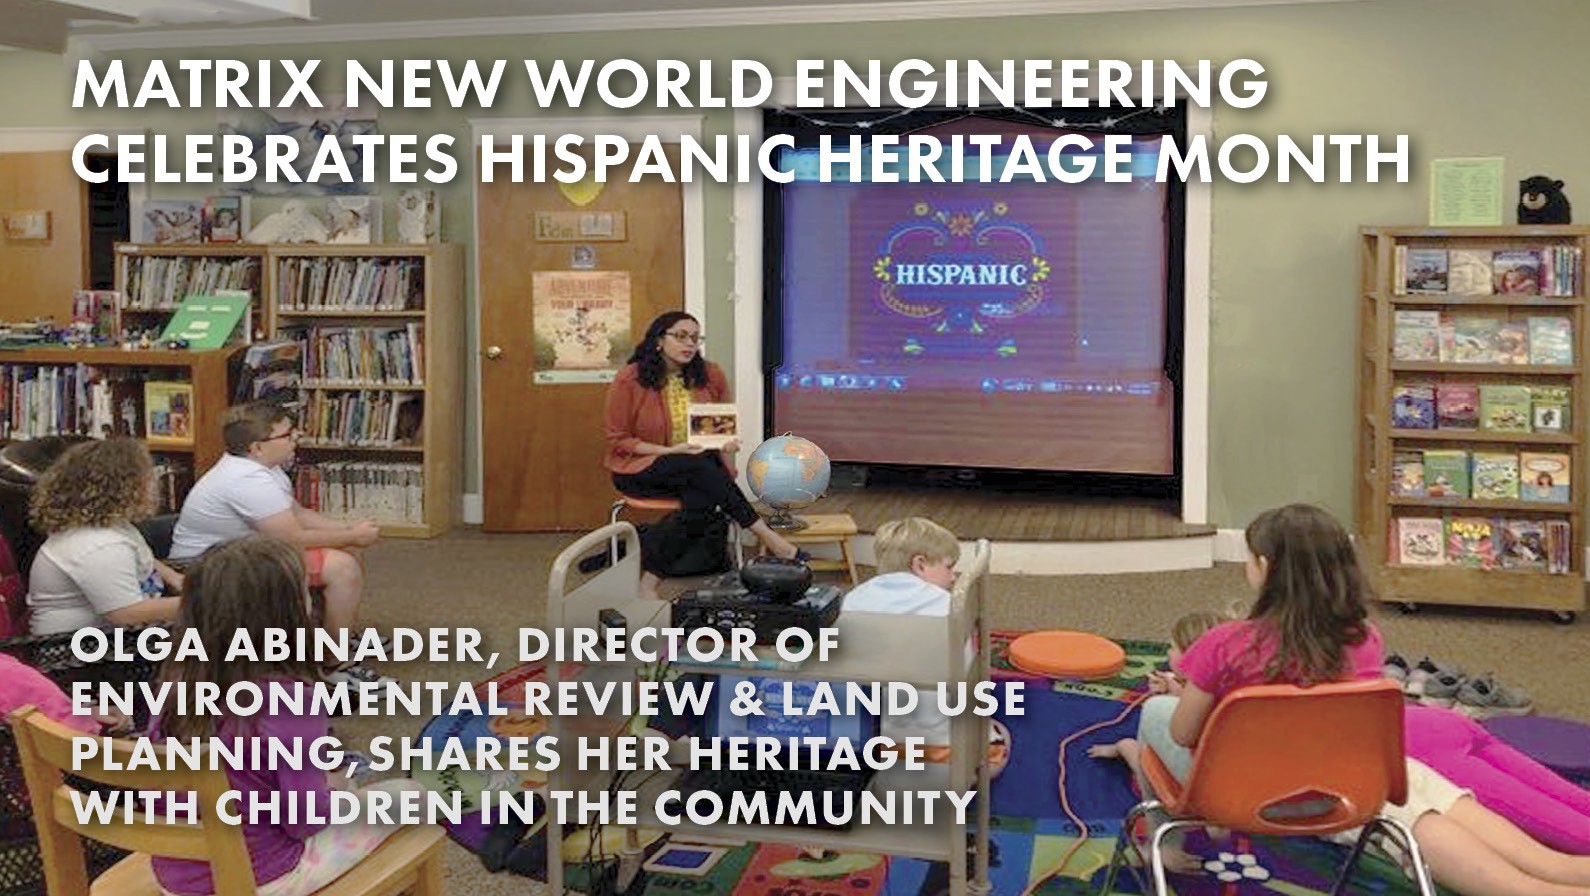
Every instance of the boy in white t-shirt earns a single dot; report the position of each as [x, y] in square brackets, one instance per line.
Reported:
[916, 570]
[247, 491]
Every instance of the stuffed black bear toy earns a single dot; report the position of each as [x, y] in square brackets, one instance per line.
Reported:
[1540, 201]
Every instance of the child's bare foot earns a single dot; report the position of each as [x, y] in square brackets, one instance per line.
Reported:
[1105, 751]
[1180, 861]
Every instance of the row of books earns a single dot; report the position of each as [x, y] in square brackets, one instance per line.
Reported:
[1483, 543]
[385, 492]
[173, 478]
[1481, 339]
[1547, 271]
[161, 282]
[370, 419]
[78, 399]
[1489, 407]
[1482, 475]
[363, 356]
[350, 284]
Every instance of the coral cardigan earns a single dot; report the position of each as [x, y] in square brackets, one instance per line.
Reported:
[636, 414]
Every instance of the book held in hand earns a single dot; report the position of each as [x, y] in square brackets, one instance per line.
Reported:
[713, 425]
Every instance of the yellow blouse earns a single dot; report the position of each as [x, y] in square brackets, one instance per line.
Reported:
[677, 399]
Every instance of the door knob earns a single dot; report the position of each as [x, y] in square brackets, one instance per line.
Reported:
[493, 352]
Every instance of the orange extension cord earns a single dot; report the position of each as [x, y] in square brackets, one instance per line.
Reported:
[1065, 801]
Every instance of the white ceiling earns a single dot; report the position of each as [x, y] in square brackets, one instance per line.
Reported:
[128, 24]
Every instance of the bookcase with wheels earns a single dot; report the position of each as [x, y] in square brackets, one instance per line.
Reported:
[1472, 428]
[380, 330]
[153, 279]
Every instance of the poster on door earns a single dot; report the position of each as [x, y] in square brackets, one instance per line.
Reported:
[581, 325]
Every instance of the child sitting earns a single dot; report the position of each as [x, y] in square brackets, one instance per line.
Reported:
[255, 584]
[1183, 633]
[95, 566]
[22, 685]
[916, 569]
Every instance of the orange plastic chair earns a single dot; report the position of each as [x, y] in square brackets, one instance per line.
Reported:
[1331, 754]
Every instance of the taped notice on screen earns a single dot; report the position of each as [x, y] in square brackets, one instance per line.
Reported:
[581, 321]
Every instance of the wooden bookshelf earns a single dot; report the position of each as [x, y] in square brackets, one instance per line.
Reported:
[147, 305]
[1383, 445]
[208, 371]
[438, 450]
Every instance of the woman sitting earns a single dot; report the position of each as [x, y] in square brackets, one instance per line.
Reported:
[95, 565]
[648, 449]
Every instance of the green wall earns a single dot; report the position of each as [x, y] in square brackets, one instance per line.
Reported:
[1461, 77]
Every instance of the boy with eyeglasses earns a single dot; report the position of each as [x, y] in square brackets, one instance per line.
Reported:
[248, 491]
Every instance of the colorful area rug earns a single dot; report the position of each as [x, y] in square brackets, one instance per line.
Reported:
[1031, 835]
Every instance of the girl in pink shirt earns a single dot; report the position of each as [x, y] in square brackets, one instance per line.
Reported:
[1308, 625]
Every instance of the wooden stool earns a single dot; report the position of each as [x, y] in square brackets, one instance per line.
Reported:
[828, 528]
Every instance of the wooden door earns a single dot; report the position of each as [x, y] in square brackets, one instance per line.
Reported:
[544, 442]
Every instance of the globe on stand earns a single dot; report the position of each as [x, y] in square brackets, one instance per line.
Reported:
[787, 473]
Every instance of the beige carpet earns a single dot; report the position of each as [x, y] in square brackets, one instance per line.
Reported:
[497, 583]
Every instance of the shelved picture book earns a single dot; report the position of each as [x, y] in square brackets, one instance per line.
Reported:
[271, 371]
[1545, 271]
[168, 413]
[1539, 476]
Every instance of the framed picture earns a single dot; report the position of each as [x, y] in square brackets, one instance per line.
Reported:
[168, 221]
[224, 219]
[28, 224]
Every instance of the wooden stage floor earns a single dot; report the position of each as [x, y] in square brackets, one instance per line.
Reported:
[1005, 516]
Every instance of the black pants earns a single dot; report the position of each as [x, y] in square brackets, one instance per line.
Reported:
[699, 481]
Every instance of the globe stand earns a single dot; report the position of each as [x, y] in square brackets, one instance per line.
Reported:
[784, 521]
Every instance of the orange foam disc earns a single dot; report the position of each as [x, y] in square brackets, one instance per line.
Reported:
[1063, 654]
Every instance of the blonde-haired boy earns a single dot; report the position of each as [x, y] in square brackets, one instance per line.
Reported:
[916, 568]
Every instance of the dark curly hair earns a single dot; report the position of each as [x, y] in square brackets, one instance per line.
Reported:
[651, 368]
[94, 484]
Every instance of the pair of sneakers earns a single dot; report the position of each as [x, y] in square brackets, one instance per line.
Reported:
[356, 674]
[1436, 683]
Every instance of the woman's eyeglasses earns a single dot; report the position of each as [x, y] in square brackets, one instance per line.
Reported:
[687, 336]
